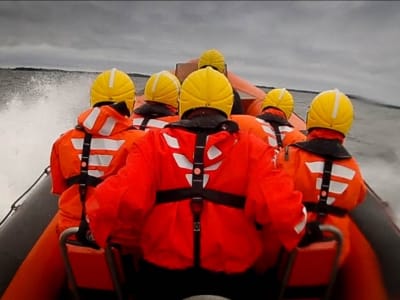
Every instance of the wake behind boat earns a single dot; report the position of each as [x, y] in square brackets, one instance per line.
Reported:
[33, 267]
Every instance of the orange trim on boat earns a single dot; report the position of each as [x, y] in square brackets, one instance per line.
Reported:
[41, 275]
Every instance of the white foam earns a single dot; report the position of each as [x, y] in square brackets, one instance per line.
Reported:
[30, 122]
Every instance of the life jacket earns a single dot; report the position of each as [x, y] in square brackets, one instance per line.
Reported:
[202, 127]
[284, 131]
[82, 157]
[330, 150]
[149, 200]
[330, 180]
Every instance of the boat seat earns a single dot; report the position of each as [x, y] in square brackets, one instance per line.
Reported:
[309, 272]
[90, 268]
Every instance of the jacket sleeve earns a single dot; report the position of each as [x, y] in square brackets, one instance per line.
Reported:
[274, 201]
[59, 184]
[122, 201]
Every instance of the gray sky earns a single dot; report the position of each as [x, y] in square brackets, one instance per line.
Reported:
[351, 45]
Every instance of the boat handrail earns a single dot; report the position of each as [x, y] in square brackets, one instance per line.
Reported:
[15, 204]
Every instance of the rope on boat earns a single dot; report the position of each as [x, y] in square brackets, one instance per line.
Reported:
[15, 204]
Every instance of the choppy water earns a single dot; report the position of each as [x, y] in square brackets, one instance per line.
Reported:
[37, 106]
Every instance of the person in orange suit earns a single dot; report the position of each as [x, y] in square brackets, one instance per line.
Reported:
[161, 94]
[276, 109]
[96, 148]
[194, 204]
[272, 125]
[323, 170]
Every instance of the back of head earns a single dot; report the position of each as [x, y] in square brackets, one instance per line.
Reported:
[212, 58]
[163, 87]
[331, 109]
[113, 86]
[206, 88]
[281, 99]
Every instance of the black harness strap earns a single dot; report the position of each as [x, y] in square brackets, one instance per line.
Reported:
[83, 178]
[202, 127]
[91, 180]
[275, 122]
[217, 197]
[331, 210]
[278, 134]
[144, 123]
[197, 201]
[322, 206]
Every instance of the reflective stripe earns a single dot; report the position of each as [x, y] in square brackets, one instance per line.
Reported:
[213, 152]
[91, 118]
[213, 167]
[171, 141]
[268, 129]
[98, 144]
[281, 94]
[300, 226]
[156, 123]
[137, 121]
[272, 141]
[285, 129]
[96, 173]
[112, 78]
[336, 104]
[151, 123]
[205, 179]
[182, 161]
[108, 127]
[102, 160]
[334, 186]
[190, 179]
[337, 170]
[330, 200]
[270, 133]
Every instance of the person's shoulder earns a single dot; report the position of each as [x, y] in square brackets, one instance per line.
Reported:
[66, 134]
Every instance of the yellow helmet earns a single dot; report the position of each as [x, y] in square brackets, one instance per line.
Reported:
[113, 86]
[213, 58]
[206, 88]
[331, 109]
[163, 87]
[281, 99]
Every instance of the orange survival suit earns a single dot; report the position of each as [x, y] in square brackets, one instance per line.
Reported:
[203, 188]
[323, 153]
[110, 134]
